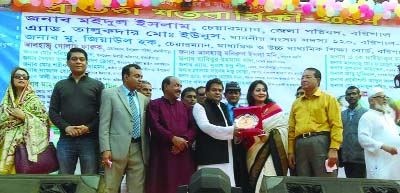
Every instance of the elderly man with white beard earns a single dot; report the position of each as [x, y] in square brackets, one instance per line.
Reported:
[379, 136]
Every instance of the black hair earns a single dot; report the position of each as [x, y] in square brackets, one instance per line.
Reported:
[353, 87]
[14, 89]
[213, 81]
[317, 74]
[76, 50]
[166, 81]
[250, 99]
[198, 88]
[126, 69]
[188, 89]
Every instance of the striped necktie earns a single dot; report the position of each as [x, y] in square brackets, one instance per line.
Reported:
[135, 116]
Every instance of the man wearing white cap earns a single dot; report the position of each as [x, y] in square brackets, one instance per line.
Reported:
[378, 135]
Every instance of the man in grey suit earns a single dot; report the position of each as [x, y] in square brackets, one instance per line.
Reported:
[123, 140]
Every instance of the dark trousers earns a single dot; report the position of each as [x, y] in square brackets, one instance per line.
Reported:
[292, 172]
[311, 154]
[355, 170]
[70, 149]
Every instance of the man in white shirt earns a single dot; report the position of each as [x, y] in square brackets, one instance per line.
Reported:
[214, 140]
[379, 136]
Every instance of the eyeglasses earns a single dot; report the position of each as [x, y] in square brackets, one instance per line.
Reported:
[201, 94]
[19, 76]
[381, 97]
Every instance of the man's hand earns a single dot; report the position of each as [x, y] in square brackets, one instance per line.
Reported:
[175, 150]
[107, 157]
[83, 129]
[73, 131]
[389, 149]
[291, 160]
[180, 143]
[236, 131]
[332, 157]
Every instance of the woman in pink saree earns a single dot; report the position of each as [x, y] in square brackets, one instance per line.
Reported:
[23, 119]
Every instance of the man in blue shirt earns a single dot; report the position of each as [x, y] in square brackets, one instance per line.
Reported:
[232, 95]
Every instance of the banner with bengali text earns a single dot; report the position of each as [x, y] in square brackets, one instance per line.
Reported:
[206, 10]
[10, 31]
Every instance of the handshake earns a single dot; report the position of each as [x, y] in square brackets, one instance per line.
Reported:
[246, 132]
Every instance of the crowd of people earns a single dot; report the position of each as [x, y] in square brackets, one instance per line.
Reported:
[158, 144]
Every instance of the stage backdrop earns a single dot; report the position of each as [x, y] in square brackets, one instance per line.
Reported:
[196, 51]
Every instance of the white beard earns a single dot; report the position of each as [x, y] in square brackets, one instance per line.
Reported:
[382, 108]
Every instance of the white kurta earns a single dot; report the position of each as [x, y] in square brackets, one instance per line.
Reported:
[217, 132]
[375, 129]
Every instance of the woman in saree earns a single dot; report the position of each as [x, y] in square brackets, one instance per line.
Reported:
[267, 155]
[23, 119]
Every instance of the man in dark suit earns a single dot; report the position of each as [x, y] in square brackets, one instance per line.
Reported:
[215, 134]
[123, 140]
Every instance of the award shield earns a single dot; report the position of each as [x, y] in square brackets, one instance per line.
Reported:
[248, 119]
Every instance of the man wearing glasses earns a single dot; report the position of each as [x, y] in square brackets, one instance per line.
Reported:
[315, 129]
[378, 135]
[201, 94]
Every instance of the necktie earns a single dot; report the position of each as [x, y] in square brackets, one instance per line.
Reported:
[135, 116]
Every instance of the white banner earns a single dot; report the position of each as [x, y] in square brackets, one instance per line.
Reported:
[196, 51]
